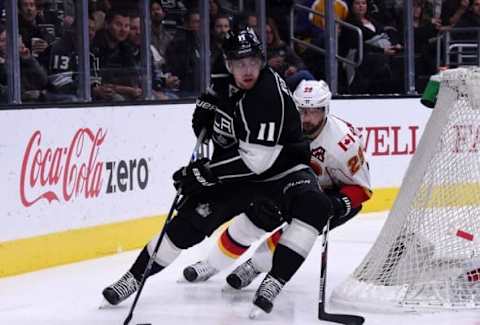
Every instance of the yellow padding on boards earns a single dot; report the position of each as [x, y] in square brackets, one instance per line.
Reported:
[30, 254]
[381, 200]
[448, 195]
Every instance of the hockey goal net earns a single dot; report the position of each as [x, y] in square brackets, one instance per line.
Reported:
[427, 255]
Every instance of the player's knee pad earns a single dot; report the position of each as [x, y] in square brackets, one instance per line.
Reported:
[183, 234]
[313, 208]
[299, 237]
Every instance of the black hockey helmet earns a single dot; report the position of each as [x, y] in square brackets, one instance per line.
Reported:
[242, 44]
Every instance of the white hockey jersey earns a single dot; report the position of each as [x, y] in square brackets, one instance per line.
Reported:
[338, 157]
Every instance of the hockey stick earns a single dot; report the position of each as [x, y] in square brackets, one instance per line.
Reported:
[148, 268]
[322, 314]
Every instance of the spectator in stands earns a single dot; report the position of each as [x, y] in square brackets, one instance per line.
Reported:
[33, 75]
[183, 55]
[283, 59]
[163, 84]
[246, 19]
[63, 67]
[453, 10]
[118, 70]
[48, 14]
[35, 37]
[471, 17]
[426, 28]
[68, 13]
[251, 20]
[100, 9]
[221, 27]
[161, 36]
[374, 75]
[389, 13]
[279, 10]
[215, 10]
[175, 12]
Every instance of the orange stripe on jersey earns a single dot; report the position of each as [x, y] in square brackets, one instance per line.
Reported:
[272, 241]
[229, 246]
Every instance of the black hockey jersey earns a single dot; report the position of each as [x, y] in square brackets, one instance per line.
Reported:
[252, 127]
[63, 66]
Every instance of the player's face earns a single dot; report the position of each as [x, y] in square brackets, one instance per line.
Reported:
[246, 71]
[312, 120]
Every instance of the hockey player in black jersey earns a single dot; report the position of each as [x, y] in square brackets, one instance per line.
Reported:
[258, 154]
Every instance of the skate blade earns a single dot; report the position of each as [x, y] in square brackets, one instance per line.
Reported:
[183, 280]
[255, 312]
[104, 304]
[229, 289]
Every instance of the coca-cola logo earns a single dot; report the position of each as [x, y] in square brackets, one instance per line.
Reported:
[74, 171]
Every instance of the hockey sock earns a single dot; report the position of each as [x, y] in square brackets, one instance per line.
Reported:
[262, 258]
[234, 241]
[225, 252]
[166, 254]
[285, 263]
[138, 268]
[292, 249]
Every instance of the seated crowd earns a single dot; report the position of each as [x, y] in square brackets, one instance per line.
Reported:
[49, 45]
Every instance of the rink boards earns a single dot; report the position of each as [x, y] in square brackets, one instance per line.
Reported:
[88, 182]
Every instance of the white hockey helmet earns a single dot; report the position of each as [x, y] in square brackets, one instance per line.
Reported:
[313, 94]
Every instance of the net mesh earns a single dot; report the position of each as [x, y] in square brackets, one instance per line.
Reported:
[428, 252]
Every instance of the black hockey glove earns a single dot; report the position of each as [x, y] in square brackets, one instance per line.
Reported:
[342, 205]
[204, 114]
[194, 177]
[264, 214]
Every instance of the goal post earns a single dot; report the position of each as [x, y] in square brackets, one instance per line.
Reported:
[427, 255]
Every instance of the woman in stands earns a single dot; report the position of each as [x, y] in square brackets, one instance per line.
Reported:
[283, 59]
[380, 44]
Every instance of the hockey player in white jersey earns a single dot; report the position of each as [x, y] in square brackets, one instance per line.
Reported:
[342, 171]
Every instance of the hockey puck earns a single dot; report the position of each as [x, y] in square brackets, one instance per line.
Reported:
[145, 324]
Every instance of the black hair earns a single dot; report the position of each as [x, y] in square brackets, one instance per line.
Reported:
[115, 12]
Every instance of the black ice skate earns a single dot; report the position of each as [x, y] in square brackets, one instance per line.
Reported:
[265, 295]
[121, 290]
[243, 275]
[200, 271]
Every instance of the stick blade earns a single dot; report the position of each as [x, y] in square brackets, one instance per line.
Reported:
[340, 318]
[128, 319]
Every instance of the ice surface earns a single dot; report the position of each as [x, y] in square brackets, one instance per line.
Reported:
[71, 294]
